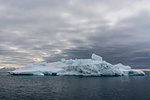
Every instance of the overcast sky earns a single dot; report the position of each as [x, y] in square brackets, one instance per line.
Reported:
[34, 31]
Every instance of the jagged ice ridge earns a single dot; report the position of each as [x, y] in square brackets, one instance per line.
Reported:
[95, 66]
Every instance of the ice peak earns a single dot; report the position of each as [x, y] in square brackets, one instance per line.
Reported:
[96, 57]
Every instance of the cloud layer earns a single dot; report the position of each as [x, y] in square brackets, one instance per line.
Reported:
[33, 31]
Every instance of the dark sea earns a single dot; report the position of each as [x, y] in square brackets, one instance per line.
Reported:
[74, 87]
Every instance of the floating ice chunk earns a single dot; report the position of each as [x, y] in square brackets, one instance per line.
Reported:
[86, 67]
[69, 61]
[63, 60]
[43, 64]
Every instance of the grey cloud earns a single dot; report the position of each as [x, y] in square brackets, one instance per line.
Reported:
[32, 31]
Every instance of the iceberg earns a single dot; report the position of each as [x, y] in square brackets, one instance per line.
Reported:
[95, 66]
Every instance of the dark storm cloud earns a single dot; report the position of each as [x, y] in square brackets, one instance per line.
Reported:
[32, 31]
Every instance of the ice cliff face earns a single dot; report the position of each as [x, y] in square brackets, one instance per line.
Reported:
[95, 66]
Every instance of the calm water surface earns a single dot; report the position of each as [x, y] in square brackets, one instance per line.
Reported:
[74, 88]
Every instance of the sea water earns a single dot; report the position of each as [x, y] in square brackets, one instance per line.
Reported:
[74, 87]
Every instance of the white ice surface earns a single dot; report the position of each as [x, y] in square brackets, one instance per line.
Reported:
[95, 66]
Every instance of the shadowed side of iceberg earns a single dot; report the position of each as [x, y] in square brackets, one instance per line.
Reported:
[95, 66]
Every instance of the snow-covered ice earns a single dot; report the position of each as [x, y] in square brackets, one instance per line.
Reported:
[95, 66]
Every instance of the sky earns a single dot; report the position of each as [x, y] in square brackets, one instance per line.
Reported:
[34, 31]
